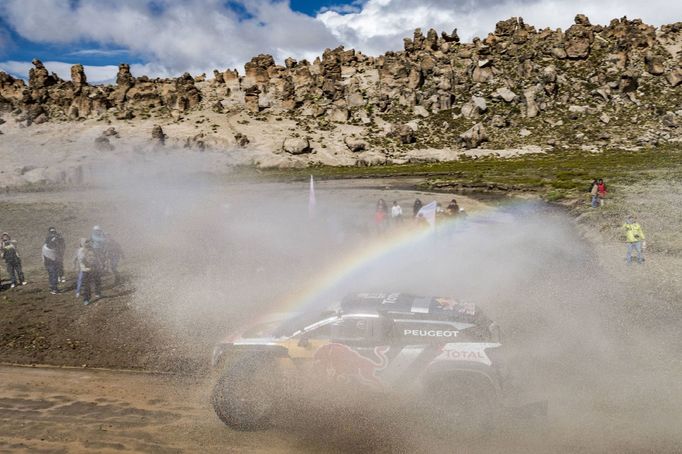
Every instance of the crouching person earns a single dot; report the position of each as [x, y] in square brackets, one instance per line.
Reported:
[90, 272]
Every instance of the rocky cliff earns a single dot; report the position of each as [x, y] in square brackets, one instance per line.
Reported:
[589, 86]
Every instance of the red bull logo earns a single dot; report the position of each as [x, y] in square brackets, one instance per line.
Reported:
[341, 364]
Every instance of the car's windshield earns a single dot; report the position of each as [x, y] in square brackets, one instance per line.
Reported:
[299, 322]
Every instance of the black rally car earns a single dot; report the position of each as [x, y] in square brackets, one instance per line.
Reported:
[441, 351]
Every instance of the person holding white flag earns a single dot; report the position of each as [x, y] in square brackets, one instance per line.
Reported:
[428, 214]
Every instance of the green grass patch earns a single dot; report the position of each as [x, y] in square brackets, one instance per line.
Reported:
[553, 175]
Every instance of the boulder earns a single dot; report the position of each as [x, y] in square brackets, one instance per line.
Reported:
[241, 140]
[339, 115]
[103, 144]
[296, 145]
[420, 111]
[579, 38]
[474, 136]
[39, 77]
[654, 64]
[355, 145]
[628, 82]
[474, 108]
[532, 108]
[78, 78]
[404, 133]
[158, 135]
[504, 93]
[674, 77]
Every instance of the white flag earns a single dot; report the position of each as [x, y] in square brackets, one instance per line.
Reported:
[311, 198]
[428, 212]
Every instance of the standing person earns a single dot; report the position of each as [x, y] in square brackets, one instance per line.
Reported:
[114, 254]
[12, 260]
[89, 266]
[76, 264]
[396, 212]
[594, 193]
[601, 191]
[51, 262]
[54, 237]
[381, 214]
[98, 242]
[634, 237]
[416, 207]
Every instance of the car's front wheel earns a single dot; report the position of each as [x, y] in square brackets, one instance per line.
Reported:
[244, 395]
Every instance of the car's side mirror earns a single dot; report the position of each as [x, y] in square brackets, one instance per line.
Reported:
[304, 341]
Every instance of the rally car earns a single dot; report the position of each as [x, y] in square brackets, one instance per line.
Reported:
[439, 349]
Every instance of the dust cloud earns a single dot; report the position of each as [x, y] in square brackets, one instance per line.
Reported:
[214, 255]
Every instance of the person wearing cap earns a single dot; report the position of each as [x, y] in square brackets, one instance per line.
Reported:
[8, 248]
[634, 238]
[89, 266]
[57, 240]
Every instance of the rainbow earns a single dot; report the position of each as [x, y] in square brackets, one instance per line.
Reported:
[366, 254]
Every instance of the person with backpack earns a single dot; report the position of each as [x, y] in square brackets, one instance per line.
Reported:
[55, 238]
[601, 191]
[12, 259]
[634, 237]
[89, 265]
[51, 262]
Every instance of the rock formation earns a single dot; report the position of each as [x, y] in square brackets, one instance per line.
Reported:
[436, 93]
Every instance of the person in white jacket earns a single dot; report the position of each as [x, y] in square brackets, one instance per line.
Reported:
[396, 212]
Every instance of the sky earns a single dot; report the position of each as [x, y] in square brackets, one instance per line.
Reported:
[169, 37]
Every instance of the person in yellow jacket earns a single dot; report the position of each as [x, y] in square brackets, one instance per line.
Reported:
[634, 237]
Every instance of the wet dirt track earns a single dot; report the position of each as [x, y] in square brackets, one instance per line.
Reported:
[70, 410]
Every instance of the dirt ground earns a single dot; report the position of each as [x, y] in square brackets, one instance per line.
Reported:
[594, 337]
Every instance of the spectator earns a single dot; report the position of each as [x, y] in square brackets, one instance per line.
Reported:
[12, 260]
[601, 191]
[76, 263]
[90, 268]
[54, 237]
[98, 243]
[416, 207]
[396, 212]
[381, 214]
[114, 254]
[594, 189]
[634, 237]
[51, 262]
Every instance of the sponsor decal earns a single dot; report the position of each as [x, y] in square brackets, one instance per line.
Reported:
[466, 351]
[342, 364]
[430, 332]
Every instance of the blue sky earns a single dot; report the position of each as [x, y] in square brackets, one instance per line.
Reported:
[169, 37]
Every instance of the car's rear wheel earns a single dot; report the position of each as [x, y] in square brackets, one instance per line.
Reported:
[244, 395]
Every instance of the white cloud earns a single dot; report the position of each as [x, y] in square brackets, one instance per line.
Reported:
[382, 24]
[200, 35]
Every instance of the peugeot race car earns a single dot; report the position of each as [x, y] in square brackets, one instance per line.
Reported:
[439, 350]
